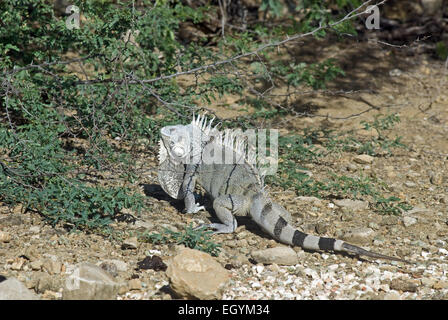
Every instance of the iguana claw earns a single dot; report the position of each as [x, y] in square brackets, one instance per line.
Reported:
[196, 208]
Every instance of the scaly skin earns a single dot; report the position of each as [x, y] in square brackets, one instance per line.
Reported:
[235, 189]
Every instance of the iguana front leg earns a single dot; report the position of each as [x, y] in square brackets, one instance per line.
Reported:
[188, 187]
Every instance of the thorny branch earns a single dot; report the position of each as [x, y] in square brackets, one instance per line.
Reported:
[266, 95]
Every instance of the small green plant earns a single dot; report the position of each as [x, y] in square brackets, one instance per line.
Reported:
[75, 104]
[199, 239]
[296, 150]
[348, 141]
[353, 187]
[442, 50]
[391, 205]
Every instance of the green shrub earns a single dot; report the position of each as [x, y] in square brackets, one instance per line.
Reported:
[78, 106]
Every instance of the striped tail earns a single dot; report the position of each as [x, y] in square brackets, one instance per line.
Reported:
[270, 217]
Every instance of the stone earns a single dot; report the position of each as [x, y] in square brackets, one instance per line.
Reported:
[34, 229]
[363, 159]
[389, 221]
[359, 235]
[13, 289]
[392, 296]
[196, 275]
[5, 237]
[18, 264]
[52, 265]
[280, 255]
[130, 243]
[441, 284]
[321, 228]
[352, 204]
[51, 295]
[409, 221]
[313, 200]
[44, 282]
[119, 264]
[90, 282]
[403, 285]
[134, 284]
[109, 268]
[428, 282]
[12, 220]
[36, 265]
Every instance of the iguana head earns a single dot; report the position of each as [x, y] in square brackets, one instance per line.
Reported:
[184, 143]
[179, 145]
[175, 143]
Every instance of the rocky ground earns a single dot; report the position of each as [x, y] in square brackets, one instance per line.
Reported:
[44, 262]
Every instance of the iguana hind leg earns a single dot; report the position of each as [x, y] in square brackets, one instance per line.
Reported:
[226, 207]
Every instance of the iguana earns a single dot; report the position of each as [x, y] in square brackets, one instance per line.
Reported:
[236, 188]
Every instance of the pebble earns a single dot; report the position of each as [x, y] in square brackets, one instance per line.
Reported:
[428, 282]
[280, 255]
[18, 264]
[441, 284]
[392, 296]
[395, 72]
[403, 285]
[5, 237]
[352, 204]
[134, 284]
[363, 159]
[52, 265]
[34, 229]
[109, 268]
[44, 282]
[313, 200]
[130, 243]
[409, 221]
[359, 235]
[36, 265]
[321, 228]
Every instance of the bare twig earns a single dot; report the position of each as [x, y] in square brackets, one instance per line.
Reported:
[349, 16]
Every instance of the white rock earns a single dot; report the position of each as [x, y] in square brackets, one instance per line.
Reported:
[309, 199]
[13, 289]
[279, 255]
[352, 204]
[409, 221]
[35, 229]
[5, 236]
[90, 282]
[359, 235]
[195, 274]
